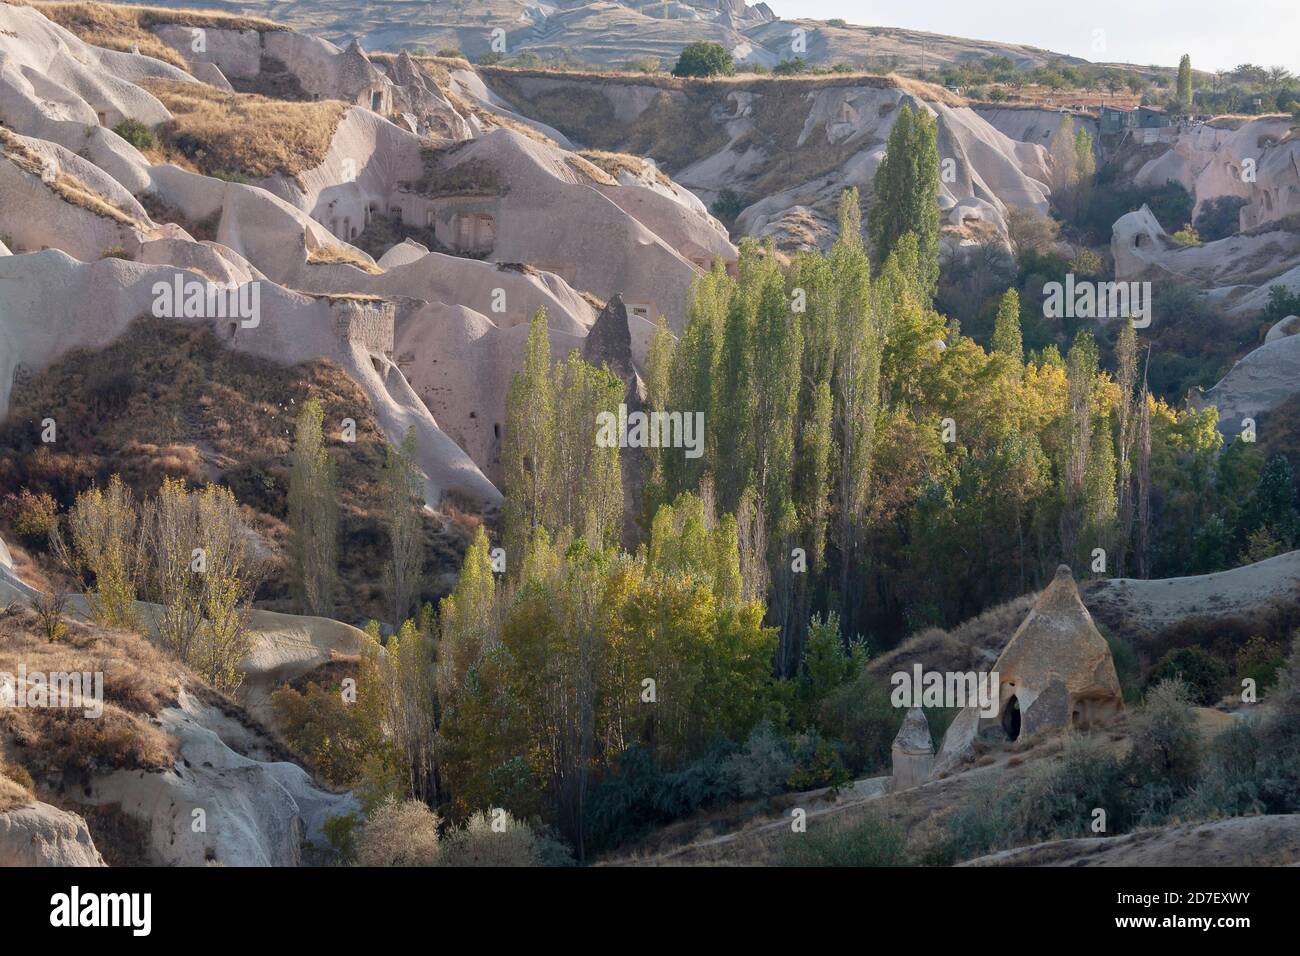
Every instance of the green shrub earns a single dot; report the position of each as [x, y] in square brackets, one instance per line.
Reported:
[868, 842]
[1127, 668]
[1205, 675]
[1281, 303]
[761, 767]
[341, 832]
[728, 205]
[1166, 741]
[137, 134]
[705, 58]
[986, 821]
[1219, 217]
[859, 716]
[1057, 801]
[817, 764]
[1260, 660]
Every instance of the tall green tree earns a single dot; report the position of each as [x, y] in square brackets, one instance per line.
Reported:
[906, 193]
[1184, 96]
[313, 515]
[527, 450]
[1006, 329]
[403, 497]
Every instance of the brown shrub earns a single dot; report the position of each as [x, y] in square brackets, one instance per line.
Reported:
[138, 681]
[192, 409]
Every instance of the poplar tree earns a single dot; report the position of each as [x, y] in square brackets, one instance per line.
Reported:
[1185, 83]
[906, 193]
[527, 451]
[856, 391]
[313, 515]
[1006, 329]
[403, 496]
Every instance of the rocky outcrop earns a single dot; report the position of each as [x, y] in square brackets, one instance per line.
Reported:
[789, 147]
[1259, 382]
[1057, 667]
[1236, 273]
[912, 753]
[217, 805]
[41, 835]
[1257, 161]
[632, 31]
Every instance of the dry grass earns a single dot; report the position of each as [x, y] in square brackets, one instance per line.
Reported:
[65, 185]
[243, 133]
[168, 399]
[441, 177]
[147, 17]
[743, 82]
[139, 680]
[15, 787]
[110, 27]
[593, 174]
[972, 645]
[342, 256]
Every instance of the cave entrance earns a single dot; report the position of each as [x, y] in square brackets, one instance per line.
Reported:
[1011, 718]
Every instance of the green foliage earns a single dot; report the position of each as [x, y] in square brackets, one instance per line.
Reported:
[341, 833]
[1171, 204]
[1261, 661]
[728, 205]
[329, 734]
[869, 841]
[32, 516]
[1166, 742]
[983, 823]
[1219, 217]
[906, 193]
[1057, 800]
[1204, 674]
[313, 515]
[704, 58]
[1184, 92]
[817, 764]
[137, 134]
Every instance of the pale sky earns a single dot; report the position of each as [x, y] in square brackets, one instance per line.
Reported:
[1219, 34]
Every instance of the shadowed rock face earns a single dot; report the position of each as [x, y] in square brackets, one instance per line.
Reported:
[610, 343]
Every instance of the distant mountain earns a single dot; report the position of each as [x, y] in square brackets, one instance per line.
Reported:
[620, 33]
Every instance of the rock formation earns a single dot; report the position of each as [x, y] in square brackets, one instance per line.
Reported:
[38, 834]
[1056, 672]
[912, 753]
